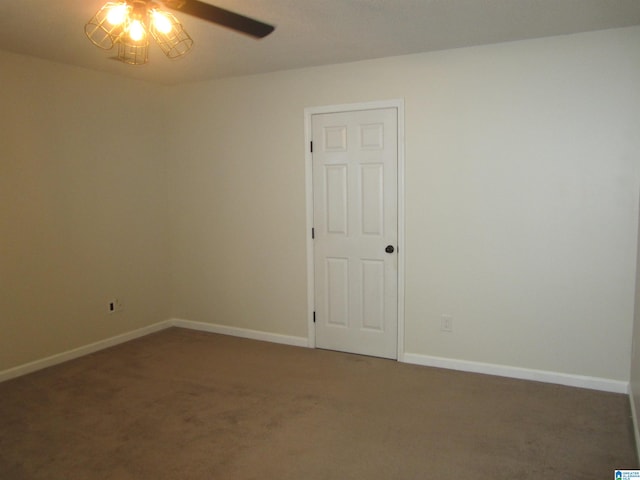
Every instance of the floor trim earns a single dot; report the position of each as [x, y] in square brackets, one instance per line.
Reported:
[52, 360]
[634, 418]
[81, 351]
[592, 383]
[240, 332]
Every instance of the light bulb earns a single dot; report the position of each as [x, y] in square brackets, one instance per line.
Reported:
[161, 22]
[136, 31]
[118, 14]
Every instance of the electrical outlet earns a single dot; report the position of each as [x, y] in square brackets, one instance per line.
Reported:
[115, 305]
[446, 323]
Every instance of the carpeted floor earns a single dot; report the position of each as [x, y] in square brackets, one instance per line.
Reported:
[189, 405]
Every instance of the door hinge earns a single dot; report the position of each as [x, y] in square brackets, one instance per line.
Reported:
[313, 233]
[314, 317]
[311, 146]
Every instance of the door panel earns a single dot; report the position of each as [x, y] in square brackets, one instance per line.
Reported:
[336, 199]
[372, 199]
[373, 294]
[355, 218]
[337, 291]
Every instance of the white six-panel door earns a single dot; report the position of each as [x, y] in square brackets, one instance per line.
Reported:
[355, 217]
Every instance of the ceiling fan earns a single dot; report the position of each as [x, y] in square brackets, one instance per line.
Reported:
[129, 24]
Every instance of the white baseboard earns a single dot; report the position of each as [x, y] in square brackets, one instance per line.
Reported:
[80, 351]
[634, 417]
[240, 332]
[593, 383]
[141, 332]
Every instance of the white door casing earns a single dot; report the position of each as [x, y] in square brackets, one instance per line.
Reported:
[355, 221]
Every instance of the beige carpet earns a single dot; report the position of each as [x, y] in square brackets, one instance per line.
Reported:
[189, 405]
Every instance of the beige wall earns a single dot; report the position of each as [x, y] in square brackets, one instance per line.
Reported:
[83, 208]
[521, 198]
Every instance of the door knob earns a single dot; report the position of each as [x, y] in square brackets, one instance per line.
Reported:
[389, 249]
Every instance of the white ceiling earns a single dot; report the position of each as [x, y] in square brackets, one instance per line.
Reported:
[308, 32]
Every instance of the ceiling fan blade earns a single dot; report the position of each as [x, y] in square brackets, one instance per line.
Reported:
[221, 16]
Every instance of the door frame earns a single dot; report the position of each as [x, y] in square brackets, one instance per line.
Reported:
[343, 108]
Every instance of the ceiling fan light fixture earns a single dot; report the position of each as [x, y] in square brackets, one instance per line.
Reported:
[129, 25]
[118, 14]
[133, 53]
[160, 21]
[169, 34]
[108, 24]
[136, 31]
